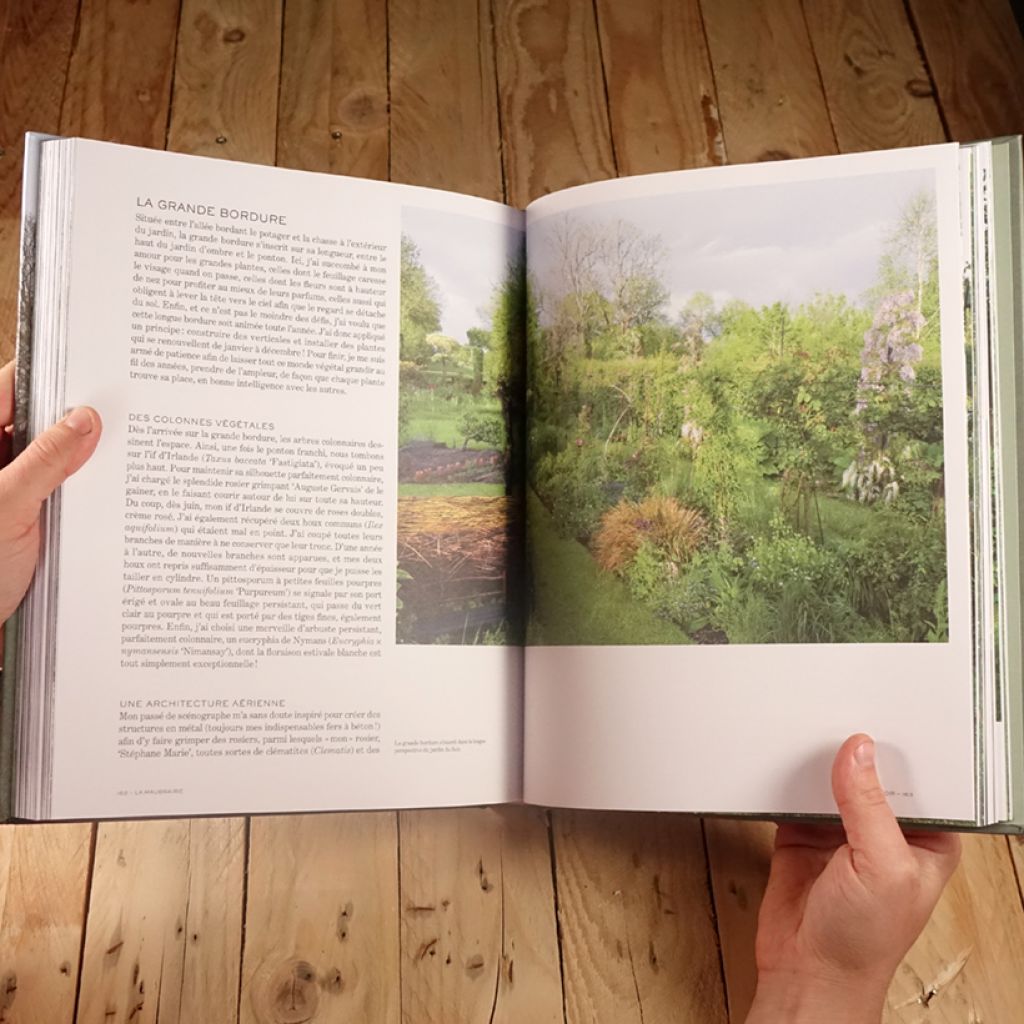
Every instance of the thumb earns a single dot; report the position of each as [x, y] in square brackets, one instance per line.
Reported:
[872, 832]
[45, 464]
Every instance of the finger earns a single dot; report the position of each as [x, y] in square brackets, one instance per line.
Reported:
[45, 464]
[872, 831]
[7, 394]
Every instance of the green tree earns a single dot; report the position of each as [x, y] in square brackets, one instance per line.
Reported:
[700, 323]
[479, 343]
[419, 306]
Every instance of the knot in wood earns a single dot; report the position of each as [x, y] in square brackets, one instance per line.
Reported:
[363, 110]
[8, 990]
[233, 35]
[289, 994]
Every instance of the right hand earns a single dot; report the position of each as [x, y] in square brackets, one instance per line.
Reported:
[28, 481]
[844, 905]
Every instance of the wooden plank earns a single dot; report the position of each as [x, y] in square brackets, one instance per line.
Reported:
[554, 116]
[164, 925]
[478, 918]
[321, 940]
[635, 916]
[661, 92]
[43, 881]
[1016, 844]
[226, 78]
[975, 52]
[966, 965]
[637, 925]
[478, 927]
[770, 98]
[877, 87]
[35, 46]
[334, 88]
[444, 110]
[738, 856]
[322, 935]
[119, 82]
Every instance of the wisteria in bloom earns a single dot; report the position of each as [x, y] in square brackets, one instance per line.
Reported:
[890, 352]
[890, 345]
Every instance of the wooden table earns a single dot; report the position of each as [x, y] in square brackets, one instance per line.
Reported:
[493, 915]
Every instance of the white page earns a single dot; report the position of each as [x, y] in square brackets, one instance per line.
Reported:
[753, 728]
[410, 725]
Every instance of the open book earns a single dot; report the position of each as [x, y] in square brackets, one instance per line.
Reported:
[645, 497]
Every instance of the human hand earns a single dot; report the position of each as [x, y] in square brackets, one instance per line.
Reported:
[28, 481]
[844, 904]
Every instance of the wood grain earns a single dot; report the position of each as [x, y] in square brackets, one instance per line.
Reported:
[444, 110]
[738, 856]
[321, 940]
[1016, 845]
[661, 91]
[876, 85]
[622, 953]
[637, 924]
[770, 98]
[226, 79]
[478, 926]
[554, 115]
[165, 923]
[35, 46]
[478, 918]
[119, 82]
[44, 871]
[334, 88]
[975, 52]
[966, 965]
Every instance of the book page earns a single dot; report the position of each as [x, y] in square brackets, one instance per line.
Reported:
[748, 488]
[240, 626]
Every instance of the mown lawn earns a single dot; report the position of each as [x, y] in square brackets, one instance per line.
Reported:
[437, 419]
[575, 603]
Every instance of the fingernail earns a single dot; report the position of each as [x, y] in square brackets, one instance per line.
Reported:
[80, 421]
[864, 754]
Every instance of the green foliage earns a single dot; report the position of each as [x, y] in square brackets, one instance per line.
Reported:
[420, 308]
[790, 590]
[898, 570]
[575, 603]
[750, 416]
[575, 487]
[483, 428]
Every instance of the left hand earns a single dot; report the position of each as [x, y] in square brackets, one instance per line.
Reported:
[28, 481]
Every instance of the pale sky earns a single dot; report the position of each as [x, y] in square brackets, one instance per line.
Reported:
[467, 258]
[763, 243]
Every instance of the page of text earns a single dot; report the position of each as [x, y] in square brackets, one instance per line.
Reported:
[230, 621]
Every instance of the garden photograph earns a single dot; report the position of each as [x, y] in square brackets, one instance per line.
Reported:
[735, 417]
[461, 414]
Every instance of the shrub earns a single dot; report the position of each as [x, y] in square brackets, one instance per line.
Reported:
[544, 439]
[673, 530]
[483, 428]
[573, 486]
[690, 599]
[897, 569]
